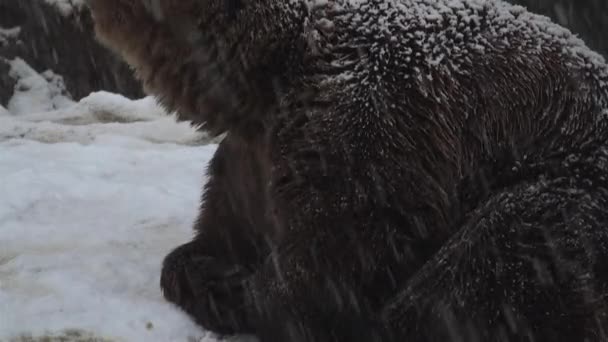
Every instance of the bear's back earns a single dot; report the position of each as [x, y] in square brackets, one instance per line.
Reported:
[423, 94]
[460, 59]
[415, 37]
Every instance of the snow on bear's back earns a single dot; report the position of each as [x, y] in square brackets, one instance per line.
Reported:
[455, 35]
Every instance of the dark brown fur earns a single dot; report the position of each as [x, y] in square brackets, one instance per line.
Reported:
[368, 189]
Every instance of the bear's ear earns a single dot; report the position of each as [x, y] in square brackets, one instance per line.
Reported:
[233, 7]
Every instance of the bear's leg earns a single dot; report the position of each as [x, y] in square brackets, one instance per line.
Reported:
[296, 298]
[205, 277]
[530, 265]
[208, 288]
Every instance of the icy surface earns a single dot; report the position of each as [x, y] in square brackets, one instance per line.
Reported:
[94, 194]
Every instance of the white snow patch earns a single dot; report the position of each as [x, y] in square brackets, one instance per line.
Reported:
[94, 195]
[163, 130]
[100, 117]
[66, 7]
[41, 110]
[36, 92]
[103, 107]
[84, 230]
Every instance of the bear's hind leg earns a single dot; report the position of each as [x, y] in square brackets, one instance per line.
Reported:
[209, 289]
[530, 265]
[311, 301]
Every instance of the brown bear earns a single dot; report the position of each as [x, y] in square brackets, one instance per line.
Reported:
[393, 170]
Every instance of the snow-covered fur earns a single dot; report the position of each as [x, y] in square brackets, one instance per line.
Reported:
[405, 170]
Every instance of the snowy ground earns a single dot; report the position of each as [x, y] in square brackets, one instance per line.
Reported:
[92, 196]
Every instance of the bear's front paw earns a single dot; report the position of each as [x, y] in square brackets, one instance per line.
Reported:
[208, 289]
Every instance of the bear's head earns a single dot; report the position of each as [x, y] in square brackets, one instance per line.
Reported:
[212, 61]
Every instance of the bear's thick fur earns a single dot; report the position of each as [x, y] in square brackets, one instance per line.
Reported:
[393, 170]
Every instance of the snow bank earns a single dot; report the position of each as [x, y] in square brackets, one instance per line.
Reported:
[42, 110]
[36, 92]
[99, 116]
[94, 195]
